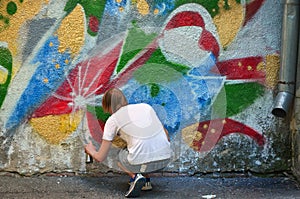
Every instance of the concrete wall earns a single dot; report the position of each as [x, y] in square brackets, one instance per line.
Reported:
[296, 138]
[209, 68]
[295, 122]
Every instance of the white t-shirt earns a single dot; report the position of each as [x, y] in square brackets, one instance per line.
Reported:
[140, 127]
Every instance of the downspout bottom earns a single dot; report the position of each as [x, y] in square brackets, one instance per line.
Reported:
[283, 104]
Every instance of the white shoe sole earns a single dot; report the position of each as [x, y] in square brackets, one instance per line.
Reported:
[136, 188]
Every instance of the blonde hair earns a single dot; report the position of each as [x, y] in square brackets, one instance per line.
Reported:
[113, 99]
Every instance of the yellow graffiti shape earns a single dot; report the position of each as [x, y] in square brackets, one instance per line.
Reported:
[191, 134]
[272, 70]
[26, 10]
[3, 74]
[156, 11]
[71, 32]
[142, 6]
[55, 128]
[229, 22]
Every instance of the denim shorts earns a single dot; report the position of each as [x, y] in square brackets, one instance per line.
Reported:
[142, 168]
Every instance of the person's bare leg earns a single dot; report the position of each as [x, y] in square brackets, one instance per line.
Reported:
[131, 174]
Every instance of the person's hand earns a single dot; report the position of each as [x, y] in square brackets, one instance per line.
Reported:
[90, 149]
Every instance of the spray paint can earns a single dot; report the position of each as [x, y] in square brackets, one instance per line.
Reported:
[88, 159]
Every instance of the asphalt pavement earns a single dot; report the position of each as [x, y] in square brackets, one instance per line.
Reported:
[66, 186]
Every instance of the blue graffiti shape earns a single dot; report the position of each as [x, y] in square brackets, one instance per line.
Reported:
[165, 104]
[50, 73]
[164, 6]
[112, 7]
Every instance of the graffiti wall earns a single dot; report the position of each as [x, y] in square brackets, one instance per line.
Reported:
[209, 69]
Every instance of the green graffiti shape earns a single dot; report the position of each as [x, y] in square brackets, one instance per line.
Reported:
[239, 97]
[11, 8]
[154, 90]
[5, 64]
[156, 73]
[158, 58]
[98, 112]
[136, 41]
[157, 70]
[212, 6]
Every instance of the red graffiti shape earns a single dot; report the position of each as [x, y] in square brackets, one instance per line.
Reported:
[81, 84]
[243, 68]
[93, 23]
[251, 9]
[209, 43]
[95, 126]
[186, 18]
[213, 130]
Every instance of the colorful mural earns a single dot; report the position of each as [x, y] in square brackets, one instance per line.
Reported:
[168, 53]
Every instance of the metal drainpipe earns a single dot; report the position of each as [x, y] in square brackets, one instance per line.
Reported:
[289, 55]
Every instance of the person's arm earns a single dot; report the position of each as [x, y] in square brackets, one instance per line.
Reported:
[101, 154]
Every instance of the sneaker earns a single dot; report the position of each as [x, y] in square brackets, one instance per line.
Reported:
[147, 186]
[136, 186]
